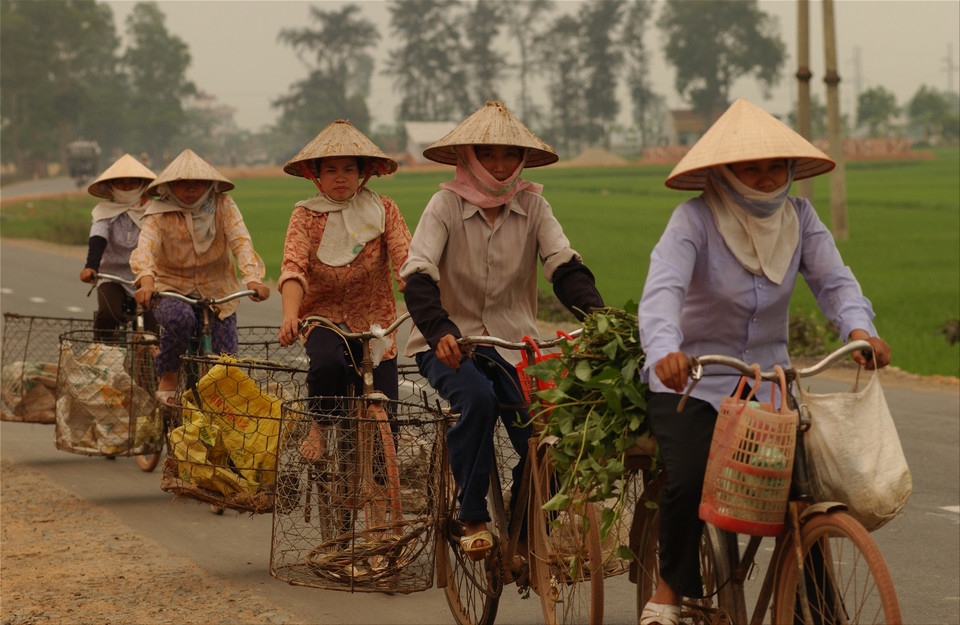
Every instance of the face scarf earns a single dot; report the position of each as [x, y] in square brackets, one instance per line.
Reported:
[201, 215]
[761, 229]
[129, 202]
[351, 223]
[475, 184]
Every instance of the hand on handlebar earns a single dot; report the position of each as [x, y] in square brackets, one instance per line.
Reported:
[674, 370]
[263, 292]
[881, 351]
[88, 275]
[289, 330]
[448, 351]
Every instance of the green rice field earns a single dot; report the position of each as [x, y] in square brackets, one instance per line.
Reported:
[903, 218]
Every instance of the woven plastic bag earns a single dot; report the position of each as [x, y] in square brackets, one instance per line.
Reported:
[750, 464]
[854, 454]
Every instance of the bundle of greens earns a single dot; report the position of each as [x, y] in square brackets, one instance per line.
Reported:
[596, 411]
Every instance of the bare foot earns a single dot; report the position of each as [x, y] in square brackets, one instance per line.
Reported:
[314, 445]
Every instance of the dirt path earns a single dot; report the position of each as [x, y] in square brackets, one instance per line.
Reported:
[65, 560]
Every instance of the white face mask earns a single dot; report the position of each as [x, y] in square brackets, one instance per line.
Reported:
[127, 197]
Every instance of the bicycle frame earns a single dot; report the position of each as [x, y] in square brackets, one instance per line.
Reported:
[801, 504]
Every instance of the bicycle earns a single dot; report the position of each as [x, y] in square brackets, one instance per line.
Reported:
[200, 344]
[368, 500]
[825, 567]
[565, 562]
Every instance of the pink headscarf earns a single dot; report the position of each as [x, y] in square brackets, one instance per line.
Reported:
[476, 185]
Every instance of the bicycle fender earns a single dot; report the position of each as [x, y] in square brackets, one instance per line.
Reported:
[821, 507]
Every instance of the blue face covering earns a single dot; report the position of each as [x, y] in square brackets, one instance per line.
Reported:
[757, 203]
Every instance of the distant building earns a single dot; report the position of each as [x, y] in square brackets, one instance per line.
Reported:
[684, 127]
[422, 134]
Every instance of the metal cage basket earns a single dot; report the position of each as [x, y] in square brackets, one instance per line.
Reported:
[361, 517]
[105, 394]
[261, 343]
[28, 365]
[226, 430]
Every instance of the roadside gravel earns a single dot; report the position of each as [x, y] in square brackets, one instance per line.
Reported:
[65, 560]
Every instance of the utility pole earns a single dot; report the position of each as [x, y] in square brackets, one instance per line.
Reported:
[838, 183]
[804, 126]
[951, 67]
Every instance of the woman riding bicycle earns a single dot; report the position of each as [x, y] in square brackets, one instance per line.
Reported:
[472, 270]
[720, 282]
[337, 259]
[113, 236]
[192, 232]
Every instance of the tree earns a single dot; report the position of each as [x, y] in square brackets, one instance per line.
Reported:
[818, 118]
[482, 63]
[59, 79]
[602, 58]
[340, 70]
[930, 110]
[876, 107]
[523, 19]
[712, 44]
[567, 80]
[426, 68]
[157, 63]
[648, 106]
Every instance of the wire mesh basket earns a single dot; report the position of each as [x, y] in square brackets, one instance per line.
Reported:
[361, 517]
[223, 440]
[28, 365]
[262, 343]
[105, 394]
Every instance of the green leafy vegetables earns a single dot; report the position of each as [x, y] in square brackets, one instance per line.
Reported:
[596, 411]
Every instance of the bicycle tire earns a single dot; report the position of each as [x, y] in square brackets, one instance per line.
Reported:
[142, 367]
[472, 588]
[866, 590]
[566, 560]
[715, 565]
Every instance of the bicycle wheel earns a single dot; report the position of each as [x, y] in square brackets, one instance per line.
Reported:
[846, 578]
[472, 589]
[382, 471]
[566, 561]
[144, 350]
[715, 562]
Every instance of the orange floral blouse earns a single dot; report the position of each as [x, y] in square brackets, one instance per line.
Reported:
[359, 293]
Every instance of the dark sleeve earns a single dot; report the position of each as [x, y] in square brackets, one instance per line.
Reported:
[422, 296]
[574, 286]
[95, 247]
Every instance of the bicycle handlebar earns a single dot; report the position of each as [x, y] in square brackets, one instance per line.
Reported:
[518, 345]
[697, 363]
[366, 334]
[193, 301]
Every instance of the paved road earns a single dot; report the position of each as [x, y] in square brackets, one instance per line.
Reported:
[60, 184]
[922, 546]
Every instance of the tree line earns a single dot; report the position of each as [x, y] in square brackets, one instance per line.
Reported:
[64, 75]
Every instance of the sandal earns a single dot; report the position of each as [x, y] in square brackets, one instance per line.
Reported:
[660, 614]
[469, 545]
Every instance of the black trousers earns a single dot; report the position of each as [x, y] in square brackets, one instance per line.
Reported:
[684, 440]
[115, 307]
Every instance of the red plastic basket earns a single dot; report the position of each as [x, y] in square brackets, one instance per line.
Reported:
[527, 382]
[750, 465]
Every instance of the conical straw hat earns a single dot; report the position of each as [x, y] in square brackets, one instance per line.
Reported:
[491, 125]
[124, 167]
[189, 166]
[341, 138]
[745, 132]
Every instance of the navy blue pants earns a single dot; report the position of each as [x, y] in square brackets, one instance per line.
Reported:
[476, 391]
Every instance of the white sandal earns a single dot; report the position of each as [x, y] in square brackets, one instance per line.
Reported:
[660, 614]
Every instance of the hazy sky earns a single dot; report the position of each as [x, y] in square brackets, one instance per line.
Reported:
[899, 44]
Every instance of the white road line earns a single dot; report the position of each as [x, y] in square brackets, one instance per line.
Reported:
[74, 309]
[38, 300]
[6, 291]
[953, 509]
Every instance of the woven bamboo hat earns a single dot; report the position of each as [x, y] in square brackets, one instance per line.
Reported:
[491, 125]
[124, 167]
[745, 132]
[189, 166]
[341, 138]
